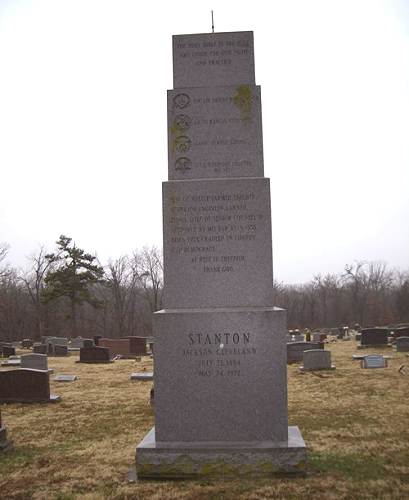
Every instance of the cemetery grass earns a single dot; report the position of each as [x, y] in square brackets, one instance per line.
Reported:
[354, 421]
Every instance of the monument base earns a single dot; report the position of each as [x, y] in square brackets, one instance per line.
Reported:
[199, 460]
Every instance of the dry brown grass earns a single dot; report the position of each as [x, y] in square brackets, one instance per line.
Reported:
[354, 421]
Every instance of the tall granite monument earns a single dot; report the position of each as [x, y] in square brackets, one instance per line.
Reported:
[220, 347]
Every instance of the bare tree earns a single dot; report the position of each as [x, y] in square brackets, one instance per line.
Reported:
[148, 269]
[33, 280]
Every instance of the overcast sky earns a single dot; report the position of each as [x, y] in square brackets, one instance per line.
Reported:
[83, 133]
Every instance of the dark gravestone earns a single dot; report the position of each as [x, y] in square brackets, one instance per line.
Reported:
[39, 349]
[374, 336]
[402, 331]
[25, 386]
[402, 344]
[94, 355]
[4, 443]
[26, 344]
[88, 343]
[8, 351]
[60, 350]
[96, 339]
[137, 345]
[295, 350]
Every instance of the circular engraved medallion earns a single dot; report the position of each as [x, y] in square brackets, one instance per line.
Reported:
[182, 143]
[182, 122]
[181, 101]
[183, 164]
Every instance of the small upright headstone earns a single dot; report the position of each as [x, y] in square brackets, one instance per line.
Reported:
[26, 344]
[34, 361]
[8, 351]
[137, 345]
[316, 359]
[374, 337]
[96, 339]
[118, 347]
[402, 344]
[76, 343]
[5, 444]
[88, 343]
[25, 386]
[295, 350]
[60, 350]
[40, 349]
[94, 354]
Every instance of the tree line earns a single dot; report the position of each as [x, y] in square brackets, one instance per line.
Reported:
[69, 293]
[364, 293]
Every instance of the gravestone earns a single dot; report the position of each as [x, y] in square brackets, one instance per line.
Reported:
[34, 361]
[218, 336]
[5, 444]
[77, 343]
[137, 345]
[402, 344]
[402, 331]
[39, 349]
[316, 359]
[26, 344]
[8, 350]
[65, 378]
[117, 347]
[374, 337]
[25, 386]
[96, 339]
[374, 361]
[60, 350]
[88, 343]
[295, 350]
[144, 376]
[94, 354]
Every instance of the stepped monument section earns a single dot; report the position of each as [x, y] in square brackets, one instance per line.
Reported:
[220, 348]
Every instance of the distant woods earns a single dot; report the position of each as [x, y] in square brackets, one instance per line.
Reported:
[367, 293]
[68, 292]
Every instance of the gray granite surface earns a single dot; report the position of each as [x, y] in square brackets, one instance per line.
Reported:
[220, 375]
[217, 243]
[215, 132]
[316, 359]
[180, 460]
[212, 59]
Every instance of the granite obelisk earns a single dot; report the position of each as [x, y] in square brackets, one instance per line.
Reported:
[220, 349]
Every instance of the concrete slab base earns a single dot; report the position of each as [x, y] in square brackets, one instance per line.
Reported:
[200, 460]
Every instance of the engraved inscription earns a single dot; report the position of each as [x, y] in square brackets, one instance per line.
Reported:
[221, 354]
[222, 131]
[213, 53]
[202, 227]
